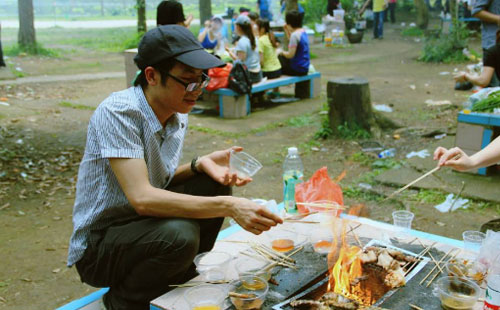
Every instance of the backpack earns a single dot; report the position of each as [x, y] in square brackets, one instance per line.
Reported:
[239, 79]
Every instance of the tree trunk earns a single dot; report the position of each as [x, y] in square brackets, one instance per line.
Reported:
[26, 36]
[291, 5]
[422, 14]
[102, 7]
[350, 105]
[141, 16]
[205, 10]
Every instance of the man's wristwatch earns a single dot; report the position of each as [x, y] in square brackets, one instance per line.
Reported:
[193, 165]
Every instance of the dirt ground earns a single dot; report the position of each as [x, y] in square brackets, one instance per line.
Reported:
[42, 134]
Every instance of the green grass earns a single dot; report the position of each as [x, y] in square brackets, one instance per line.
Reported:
[39, 50]
[412, 32]
[67, 104]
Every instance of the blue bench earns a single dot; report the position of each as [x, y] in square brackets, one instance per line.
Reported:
[234, 105]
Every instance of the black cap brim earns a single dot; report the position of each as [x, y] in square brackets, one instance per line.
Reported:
[200, 59]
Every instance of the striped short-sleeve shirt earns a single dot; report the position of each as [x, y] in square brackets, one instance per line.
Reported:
[123, 126]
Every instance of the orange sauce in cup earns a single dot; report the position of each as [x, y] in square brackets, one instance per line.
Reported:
[283, 245]
[322, 246]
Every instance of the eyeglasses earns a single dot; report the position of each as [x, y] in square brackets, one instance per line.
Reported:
[192, 86]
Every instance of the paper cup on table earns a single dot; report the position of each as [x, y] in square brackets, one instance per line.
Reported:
[243, 164]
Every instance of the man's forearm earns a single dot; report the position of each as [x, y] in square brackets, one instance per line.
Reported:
[488, 17]
[162, 203]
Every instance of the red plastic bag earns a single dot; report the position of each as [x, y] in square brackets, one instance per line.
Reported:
[318, 187]
[218, 77]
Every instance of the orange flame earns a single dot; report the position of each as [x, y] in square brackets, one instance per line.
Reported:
[346, 269]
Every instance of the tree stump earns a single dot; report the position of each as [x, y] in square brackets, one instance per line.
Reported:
[350, 105]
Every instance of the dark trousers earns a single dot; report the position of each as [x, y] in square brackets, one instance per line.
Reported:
[2, 63]
[378, 24]
[138, 260]
[272, 74]
[391, 10]
[286, 68]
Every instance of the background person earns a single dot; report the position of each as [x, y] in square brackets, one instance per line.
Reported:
[491, 68]
[2, 62]
[378, 16]
[211, 36]
[271, 67]
[296, 60]
[246, 49]
[263, 7]
[171, 12]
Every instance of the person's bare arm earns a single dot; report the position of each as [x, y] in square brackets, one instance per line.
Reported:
[482, 80]
[241, 55]
[231, 54]
[132, 174]
[290, 53]
[363, 8]
[484, 158]
[188, 20]
[261, 55]
[488, 17]
[203, 34]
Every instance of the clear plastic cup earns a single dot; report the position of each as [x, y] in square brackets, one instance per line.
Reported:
[212, 266]
[282, 240]
[205, 297]
[456, 293]
[321, 240]
[473, 240]
[253, 267]
[403, 219]
[254, 288]
[243, 164]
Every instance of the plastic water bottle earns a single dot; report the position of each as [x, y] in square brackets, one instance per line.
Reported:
[387, 153]
[293, 173]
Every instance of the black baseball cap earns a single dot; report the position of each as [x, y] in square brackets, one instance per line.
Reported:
[173, 41]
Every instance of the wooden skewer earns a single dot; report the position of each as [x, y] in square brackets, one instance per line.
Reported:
[332, 205]
[411, 183]
[191, 284]
[234, 241]
[438, 273]
[302, 222]
[417, 180]
[432, 257]
[295, 251]
[419, 257]
[415, 307]
[432, 270]
[361, 245]
[238, 295]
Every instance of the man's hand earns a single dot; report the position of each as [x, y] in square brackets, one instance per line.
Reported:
[446, 158]
[253, 217]
[216, 165]
[207, 23]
